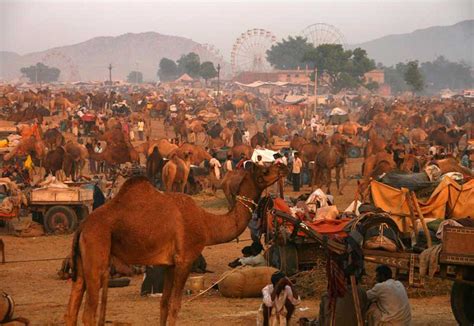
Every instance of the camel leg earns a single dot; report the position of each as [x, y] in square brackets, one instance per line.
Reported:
[181, 273]
[95, 262]
[75, 299]
[328, 177]
[338, 178]
[165, 299]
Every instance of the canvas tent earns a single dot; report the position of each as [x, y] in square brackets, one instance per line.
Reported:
[267, 155]
[338, 116]
[449, 198]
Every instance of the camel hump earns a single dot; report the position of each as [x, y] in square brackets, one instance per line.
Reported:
[132, 183]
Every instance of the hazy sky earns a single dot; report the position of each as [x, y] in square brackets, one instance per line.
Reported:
[34, 25]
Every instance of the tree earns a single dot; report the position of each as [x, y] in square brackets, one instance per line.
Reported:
[135, 77]
[344, 69]
[413, 77]
[189, 64]
[207, 70]
[168, 70]
[442, 73]
[289, 54]
[40, 73]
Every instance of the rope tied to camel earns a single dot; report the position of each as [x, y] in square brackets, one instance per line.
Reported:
[247, 202]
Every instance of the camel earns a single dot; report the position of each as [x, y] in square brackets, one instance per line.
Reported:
[238, 150]
[74, 159]
[373, 166]
[349, 128]
[144, 226]
[259, 139]
[154, 164]
[199, 154]
[417, 135]
[329, 158]
[297, 142]
[175, 173]
[53, 138]
[227, 135]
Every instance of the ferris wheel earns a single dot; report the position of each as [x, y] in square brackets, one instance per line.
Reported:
[64, 63]
[249, 52]
[208, 52]
[321, 33]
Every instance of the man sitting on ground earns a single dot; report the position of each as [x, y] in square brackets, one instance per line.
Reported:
[252, 256]
[390, 301]
[278, 295]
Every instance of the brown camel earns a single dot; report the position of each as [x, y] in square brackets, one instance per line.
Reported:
[144, 226]
[297, 142]
[238, 150]
[199, 154]
[373, 166]
[175, 173]
[329, 158]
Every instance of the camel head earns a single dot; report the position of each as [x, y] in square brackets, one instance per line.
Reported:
[264, 176]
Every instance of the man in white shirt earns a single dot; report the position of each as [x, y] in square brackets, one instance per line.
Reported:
[141, 128]
[296, 172]
[228, 165]
[278, 295]
[216, 166]
[390, 301]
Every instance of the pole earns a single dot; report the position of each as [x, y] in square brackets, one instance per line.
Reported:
[110, 74]
[315, 89]
[218, 83]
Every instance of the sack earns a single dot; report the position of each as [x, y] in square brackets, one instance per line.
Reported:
[381, 237]
[246, 282]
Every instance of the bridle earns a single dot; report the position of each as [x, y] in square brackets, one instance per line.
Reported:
[247, 202]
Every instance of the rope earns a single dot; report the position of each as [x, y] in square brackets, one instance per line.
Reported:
[224, 276]
[33, 260]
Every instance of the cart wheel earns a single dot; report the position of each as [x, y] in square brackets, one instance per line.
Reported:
[353, 152]
[285, 258]
[462, 302]
[60, 220]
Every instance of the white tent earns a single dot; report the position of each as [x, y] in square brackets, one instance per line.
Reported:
[267, 155]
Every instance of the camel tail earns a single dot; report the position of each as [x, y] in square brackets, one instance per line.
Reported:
[76, 253]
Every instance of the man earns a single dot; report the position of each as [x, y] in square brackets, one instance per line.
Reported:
[390, 301]
[141, 128]
[216, 166]
[278, 295]
[228, 165]
[296, 172]
[252, 256]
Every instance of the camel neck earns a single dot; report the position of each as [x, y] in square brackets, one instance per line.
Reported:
[226, 227]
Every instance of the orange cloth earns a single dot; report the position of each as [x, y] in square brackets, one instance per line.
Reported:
[448, 196]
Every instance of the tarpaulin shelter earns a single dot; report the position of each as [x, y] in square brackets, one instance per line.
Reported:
[338, 116]
[267, 155]
[448, 199]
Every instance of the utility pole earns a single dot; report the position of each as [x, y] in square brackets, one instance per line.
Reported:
[110, 74]
[218, 82]
[315, 89]
[136, 73]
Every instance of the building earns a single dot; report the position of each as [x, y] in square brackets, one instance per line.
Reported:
[376, 75]
[297, 76]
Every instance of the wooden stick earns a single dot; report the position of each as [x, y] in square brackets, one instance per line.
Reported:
[280, 187]
[412, 211]
[355, 296]
[422, 219]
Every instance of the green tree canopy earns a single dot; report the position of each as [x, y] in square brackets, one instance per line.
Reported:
[345, 68]
[168, 70]
[135, 77]
[207, 70]
[189, 64]
[289, 54]
[40, 73]
[413, 77]
[442, 73]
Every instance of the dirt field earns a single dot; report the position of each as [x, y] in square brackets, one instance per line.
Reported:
[42, 298]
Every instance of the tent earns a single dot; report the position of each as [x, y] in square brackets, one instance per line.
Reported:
[267, 155]
[449, 197]
[184, 78]
[338, 116]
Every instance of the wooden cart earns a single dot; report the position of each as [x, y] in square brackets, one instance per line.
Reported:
[60, 209]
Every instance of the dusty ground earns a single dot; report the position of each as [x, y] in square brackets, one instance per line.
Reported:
[42, 298]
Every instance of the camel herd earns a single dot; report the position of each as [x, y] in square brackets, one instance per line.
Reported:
[142, 225]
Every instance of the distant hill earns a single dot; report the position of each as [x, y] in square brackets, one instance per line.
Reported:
[455, 42]
[89, 60]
